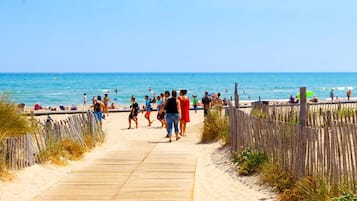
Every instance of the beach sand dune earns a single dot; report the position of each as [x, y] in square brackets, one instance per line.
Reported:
[214, 179]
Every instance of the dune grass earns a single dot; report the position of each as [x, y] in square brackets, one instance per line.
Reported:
[216, 128]
[12, 123]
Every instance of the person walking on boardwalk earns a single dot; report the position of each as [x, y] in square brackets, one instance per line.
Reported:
[147, 108]
[206, 101]
[98, 108]
[173, 112]
[185, 111]
[166, 96]
[160, 114]
[133, 115]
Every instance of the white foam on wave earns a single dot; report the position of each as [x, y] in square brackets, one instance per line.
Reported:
[55, 93]
[340, 88]
[104, 90]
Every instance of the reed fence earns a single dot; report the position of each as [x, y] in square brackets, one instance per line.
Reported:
[20, 152]
[326, 149]
[317, 113]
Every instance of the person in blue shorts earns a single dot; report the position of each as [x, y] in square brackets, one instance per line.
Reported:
[98, 107]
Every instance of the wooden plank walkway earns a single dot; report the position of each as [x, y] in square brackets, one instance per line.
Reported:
[146, 171]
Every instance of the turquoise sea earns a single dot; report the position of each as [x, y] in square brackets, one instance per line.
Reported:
[53, 89]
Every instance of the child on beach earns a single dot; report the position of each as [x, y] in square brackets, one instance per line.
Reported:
[194, 102]
[133, 115]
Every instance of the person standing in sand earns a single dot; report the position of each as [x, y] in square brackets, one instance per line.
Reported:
[173, 112]
[98, 107]
[219, 104]
[106, 105]
[134, 109]
[348, 94]
[195, 102]
[185, 111]
[85, 100]
[206, 101]
[332, 95]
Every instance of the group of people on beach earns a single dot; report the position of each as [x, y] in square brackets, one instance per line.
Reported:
[100, 106]
[172, 110]
[332, 96]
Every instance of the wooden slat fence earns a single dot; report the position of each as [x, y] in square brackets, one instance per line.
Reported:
[20, 152]
[341, 112]
[328, 150]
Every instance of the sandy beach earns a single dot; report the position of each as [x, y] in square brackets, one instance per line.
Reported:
[215, 177]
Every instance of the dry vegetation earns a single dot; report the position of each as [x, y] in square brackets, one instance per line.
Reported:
[12, 123]
[55, 148]
[216, 127]
[282, 180]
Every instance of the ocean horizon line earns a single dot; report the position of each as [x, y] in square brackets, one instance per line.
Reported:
[208, 72]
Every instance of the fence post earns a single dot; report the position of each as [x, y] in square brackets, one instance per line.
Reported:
[303, 107]
[236, 96]
[302, 138]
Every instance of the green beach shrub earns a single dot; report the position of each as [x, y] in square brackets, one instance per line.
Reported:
[346, 197]
[249, 161]
[215, 128]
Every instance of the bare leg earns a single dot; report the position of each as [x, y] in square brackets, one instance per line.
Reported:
[181, 124]
[183, 131]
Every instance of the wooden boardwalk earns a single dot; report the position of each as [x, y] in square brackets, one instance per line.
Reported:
[147, 171]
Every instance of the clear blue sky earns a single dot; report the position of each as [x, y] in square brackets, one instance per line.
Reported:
[178, 35]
